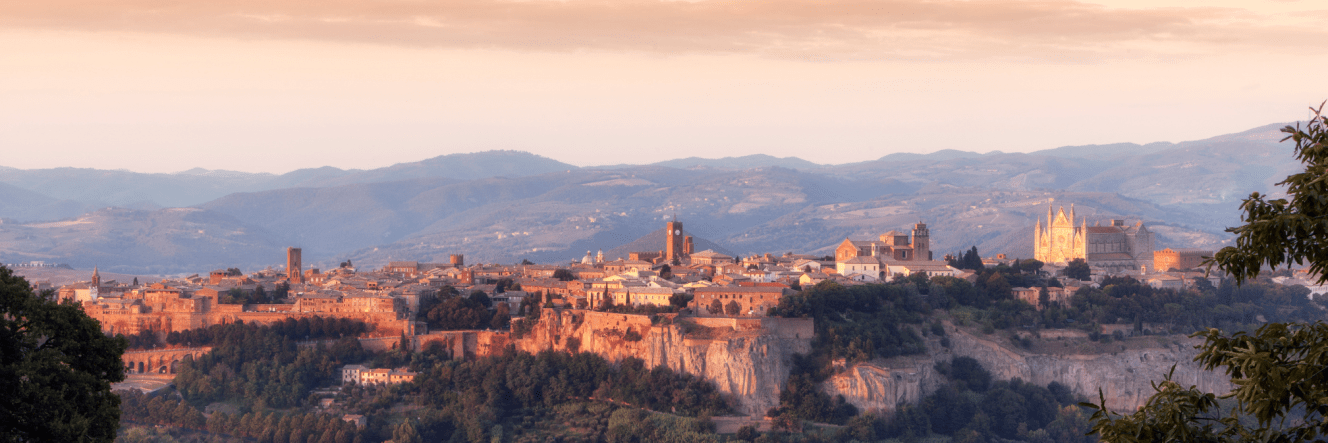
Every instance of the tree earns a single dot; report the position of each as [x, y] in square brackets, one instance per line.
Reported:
[502, 318]
[972, 260]
[732, 308]
[1078, 270]
[563, 275]
[1278, 370]
[680, 300]
[502, 285]
[716, 307]
[56, 369]
[1032, 265]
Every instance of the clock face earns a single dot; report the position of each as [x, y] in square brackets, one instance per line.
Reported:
[677, 232]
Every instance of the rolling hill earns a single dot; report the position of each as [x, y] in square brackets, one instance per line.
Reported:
[504, 206]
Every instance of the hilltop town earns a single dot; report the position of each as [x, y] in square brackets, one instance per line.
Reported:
[750, 326]
[699, 283]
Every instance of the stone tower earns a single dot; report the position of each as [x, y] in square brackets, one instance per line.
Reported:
[673, 243]
[96, 278]
[293, 265]
[921, 242]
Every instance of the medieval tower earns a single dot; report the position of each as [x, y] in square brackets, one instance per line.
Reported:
[673, 243]
[921, 242]
[293, 265]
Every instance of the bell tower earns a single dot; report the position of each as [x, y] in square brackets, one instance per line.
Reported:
[673, 242]
[293, 265]
[921, 242]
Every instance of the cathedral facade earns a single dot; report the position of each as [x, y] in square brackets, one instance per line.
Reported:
[1115, 248]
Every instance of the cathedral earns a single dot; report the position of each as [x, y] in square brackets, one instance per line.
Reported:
[1116, 248]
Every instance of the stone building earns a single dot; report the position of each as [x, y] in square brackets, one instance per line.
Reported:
[891, 246]
[1179, 259]
[1115, 248]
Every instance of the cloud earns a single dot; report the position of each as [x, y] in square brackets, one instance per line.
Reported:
[806, 29]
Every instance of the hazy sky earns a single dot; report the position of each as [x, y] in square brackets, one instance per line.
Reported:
[276, 85]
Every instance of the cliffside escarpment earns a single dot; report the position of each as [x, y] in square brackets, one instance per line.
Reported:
[1125, 377]
[748, 358]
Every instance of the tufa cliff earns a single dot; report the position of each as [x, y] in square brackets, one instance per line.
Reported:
[748, 358]
[1125, 377]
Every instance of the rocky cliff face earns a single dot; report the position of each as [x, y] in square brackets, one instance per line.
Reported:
[749, 359]
[1125, 377]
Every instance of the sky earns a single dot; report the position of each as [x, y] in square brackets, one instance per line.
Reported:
[278, 85]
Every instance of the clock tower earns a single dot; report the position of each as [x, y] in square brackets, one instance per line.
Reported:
[673, 239]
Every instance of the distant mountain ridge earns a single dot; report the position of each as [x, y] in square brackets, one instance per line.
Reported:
[504, 206]
[196, 186]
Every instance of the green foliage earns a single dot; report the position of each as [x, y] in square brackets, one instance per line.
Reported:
[563, 275]
[1078, 269]
[732, 308]
[1280, 382]
[144, 339]
[635, 425]
[858, 322]
[56, 368]
[1279, 370]
[973, 407]
[1286, 230]
[262, 426]
[305, 328]
[261, 366]
[472, 397]
[803, 400]
[502, 318]
[968, 260]
[454, 313]
[966, 372]
[680, 300]
[1031, 265]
